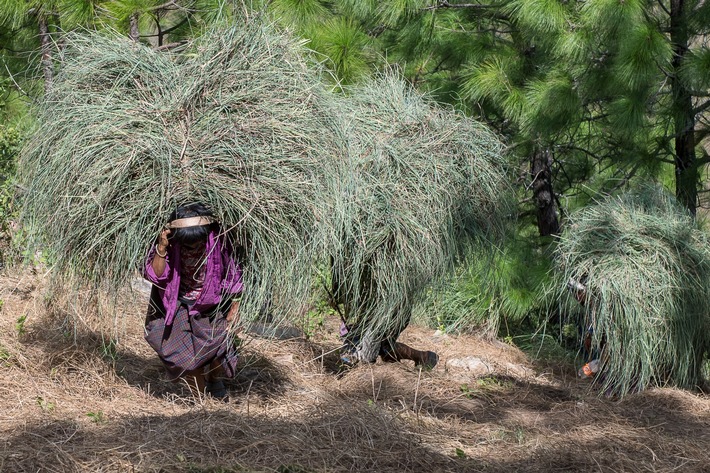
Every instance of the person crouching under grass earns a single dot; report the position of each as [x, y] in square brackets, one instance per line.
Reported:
[196, 283]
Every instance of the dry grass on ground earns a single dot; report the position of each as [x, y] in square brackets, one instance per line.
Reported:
[74, 402]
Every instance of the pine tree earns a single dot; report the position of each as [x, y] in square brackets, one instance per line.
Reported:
[650, 75]
[338, 39]
[42, 18]
[596, 94]
[164, 24]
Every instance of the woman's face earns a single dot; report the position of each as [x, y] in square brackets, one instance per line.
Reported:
[195, 245]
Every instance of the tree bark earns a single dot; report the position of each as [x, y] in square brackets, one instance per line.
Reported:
[46, 49]
[133, 32]
[160, 31]
[547, 212]
[686, 167]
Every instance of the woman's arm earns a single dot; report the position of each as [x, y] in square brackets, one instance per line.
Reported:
[232, 272]
[157, 267]
[233, 314]
[232, 283]
[161, 253]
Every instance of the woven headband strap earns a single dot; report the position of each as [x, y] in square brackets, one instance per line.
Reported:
[190, 222]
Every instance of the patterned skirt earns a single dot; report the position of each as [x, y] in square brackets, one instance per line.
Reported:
[191, 342]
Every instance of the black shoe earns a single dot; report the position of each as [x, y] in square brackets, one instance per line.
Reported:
[217, 390]
[429, 362]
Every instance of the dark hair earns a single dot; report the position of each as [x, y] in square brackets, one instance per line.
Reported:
[191, 235]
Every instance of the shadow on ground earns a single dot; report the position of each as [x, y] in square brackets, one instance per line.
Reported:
[256, 373]
[376, 418]
[328, 437]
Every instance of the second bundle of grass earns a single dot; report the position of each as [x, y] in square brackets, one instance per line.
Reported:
[418, 185]
[646, 266]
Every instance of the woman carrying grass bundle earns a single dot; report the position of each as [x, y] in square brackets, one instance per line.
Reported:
[645, 263]
[196, 283]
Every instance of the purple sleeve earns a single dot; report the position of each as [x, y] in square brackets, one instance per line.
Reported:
[232, 281]
[149, 273]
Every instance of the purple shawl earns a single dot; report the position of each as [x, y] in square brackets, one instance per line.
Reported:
[223, 278]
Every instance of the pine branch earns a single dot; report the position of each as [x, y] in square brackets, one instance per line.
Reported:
[589, 153]
[561, 170]
[30, 24]
[663, 7]
[497, 31]
[168, 30]
[596, 118]
[703, 127]
[14, 51]
[17, 86]
[476, 6]
[626, 176]
[376, 31]
[496, 15]
[701, 108]
[164, 6]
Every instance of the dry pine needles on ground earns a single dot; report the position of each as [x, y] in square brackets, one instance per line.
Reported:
[70, 406]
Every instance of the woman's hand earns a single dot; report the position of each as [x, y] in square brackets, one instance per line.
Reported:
[163, 242]
[161, 251]
[233, 314]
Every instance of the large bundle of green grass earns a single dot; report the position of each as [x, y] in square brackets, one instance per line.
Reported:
[419, 184]
[646, 266]
[235, 120]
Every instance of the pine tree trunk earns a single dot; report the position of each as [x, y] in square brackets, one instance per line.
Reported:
[543, 195]
[46, 48]
[133, 32]
[684, 119]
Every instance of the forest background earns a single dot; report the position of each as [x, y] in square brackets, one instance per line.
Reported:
[591, 98]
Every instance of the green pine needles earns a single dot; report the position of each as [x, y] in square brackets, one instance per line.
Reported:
[647, 269]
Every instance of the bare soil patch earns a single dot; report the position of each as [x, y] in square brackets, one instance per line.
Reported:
[75, 401]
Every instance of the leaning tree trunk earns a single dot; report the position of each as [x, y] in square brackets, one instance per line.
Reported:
[46, 49]
[686, 167]
[544, 198]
